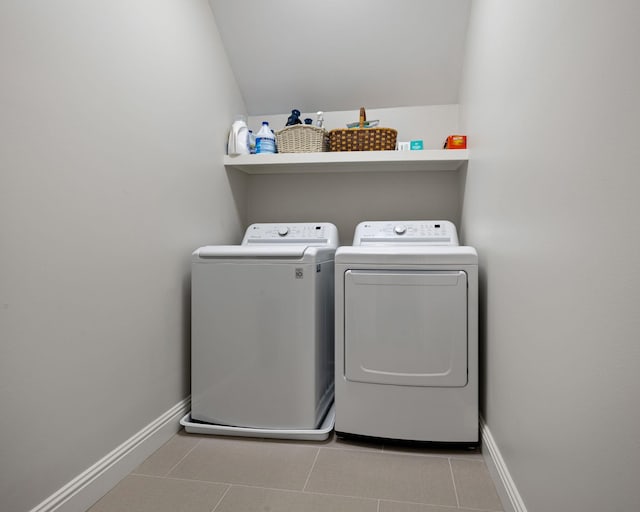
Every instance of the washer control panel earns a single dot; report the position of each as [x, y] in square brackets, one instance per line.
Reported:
[414, 232]
[310, 233]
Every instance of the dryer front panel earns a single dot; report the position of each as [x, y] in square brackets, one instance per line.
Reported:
[406, 327]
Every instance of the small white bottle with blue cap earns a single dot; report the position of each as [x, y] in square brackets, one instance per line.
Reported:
[265, 140]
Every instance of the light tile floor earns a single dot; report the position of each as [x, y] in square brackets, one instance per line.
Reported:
[193, 473]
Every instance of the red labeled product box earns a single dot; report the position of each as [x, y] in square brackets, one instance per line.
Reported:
[456, 142]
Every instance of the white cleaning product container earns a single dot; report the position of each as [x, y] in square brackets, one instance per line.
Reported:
[238, 137]
[265, 140]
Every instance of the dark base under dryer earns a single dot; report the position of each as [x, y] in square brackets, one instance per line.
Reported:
[409, 443]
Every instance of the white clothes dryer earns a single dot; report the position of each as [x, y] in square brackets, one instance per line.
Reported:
[262, 332]
[407, 334]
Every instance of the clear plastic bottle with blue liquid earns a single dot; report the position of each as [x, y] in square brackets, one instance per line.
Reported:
[265, 140]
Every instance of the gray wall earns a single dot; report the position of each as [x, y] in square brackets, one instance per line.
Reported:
[550, 102]
[346, 198]
[113, 117]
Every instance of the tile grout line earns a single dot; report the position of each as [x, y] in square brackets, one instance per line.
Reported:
[304, 487]
[453, 479]
[296, 491]
[354, 449]
[390, 451]
[229, 486]
[184, 479]
[182, 458]
[378, 509]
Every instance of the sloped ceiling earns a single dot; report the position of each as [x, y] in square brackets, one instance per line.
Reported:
[342, 54]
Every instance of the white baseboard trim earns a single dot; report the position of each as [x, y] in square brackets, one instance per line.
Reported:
[89, 486]
[506, 487]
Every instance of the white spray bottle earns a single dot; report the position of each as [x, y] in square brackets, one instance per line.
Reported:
[239, 137]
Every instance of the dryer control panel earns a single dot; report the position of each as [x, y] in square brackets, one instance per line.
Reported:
[412, 232]
[311, 233]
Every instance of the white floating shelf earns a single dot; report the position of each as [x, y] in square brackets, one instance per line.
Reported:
[355, 161]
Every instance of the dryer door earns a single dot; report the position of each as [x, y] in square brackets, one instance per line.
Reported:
[406, 327]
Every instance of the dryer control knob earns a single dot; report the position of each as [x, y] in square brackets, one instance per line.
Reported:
[400, 229]
[283, 231]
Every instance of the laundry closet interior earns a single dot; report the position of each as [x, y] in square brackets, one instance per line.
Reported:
[115, 122]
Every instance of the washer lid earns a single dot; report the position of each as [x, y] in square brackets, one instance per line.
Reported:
[243, 251]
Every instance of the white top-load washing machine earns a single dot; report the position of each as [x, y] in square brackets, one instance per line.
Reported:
[407, 334]
[262, 332]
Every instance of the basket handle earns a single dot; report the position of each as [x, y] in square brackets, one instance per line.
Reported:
[363, 117]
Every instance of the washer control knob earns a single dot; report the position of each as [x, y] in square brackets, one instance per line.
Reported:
[400, 229]
[282, 231]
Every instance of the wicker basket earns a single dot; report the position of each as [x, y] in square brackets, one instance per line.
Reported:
[302, 138]
[362, 139]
